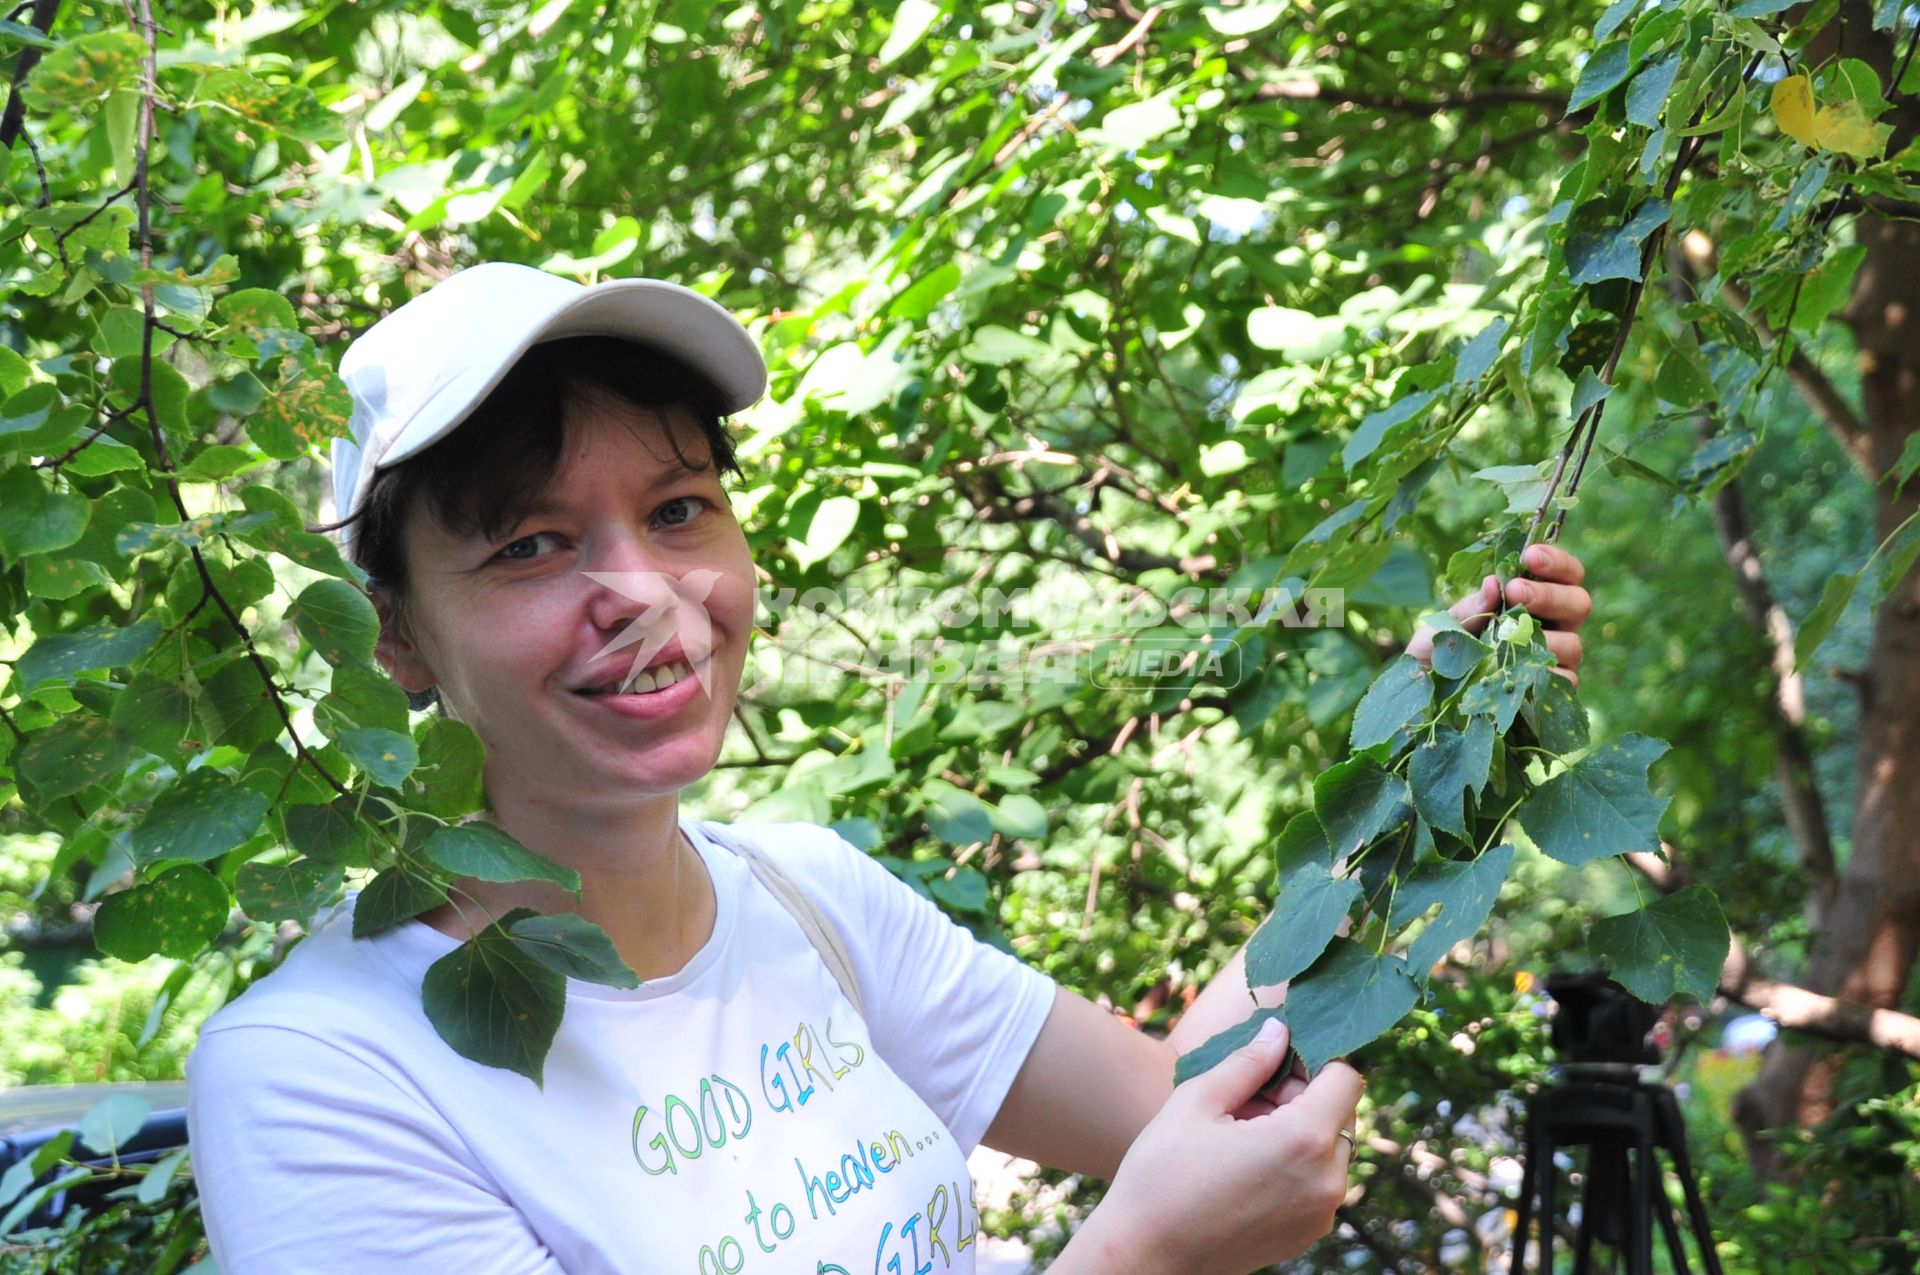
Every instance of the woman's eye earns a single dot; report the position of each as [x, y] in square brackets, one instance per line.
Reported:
[521, 550]
[680, 512]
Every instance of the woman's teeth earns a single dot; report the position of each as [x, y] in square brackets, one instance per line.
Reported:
[647, 680]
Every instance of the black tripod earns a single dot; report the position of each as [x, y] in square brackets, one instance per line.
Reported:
[1600, 1102]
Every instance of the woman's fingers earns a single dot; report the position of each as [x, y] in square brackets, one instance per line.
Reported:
[1563, 606]
[1330, 1098]
[1550, 562]
[1567, 650]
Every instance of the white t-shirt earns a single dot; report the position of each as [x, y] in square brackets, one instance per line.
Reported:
[737, 1116]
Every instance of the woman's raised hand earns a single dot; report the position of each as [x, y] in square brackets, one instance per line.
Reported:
[1550, 592]
[1205, 1190]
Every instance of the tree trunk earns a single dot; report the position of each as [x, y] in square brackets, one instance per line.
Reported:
[1865, 948]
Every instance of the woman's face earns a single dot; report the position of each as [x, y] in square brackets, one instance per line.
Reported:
[630, 560]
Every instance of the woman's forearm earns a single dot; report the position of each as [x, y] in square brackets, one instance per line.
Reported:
[1223, 1003]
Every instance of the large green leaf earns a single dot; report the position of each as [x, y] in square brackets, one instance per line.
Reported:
[1346, 1000]
[570, 944]
[1599, 806]
[1674, 945]
[387, 756]
[1211, 1052]
[1398, 698]
[496, 1003]
[35, 519]
[1441, 773]
[1357, 800]
[397, 894]
[204, 815]
[176, 914]
[451, 759]
[1308, 913]
[292, 890]
[72, 754]
[487, 853]
[1465, 889]
[338, 620]
[59, 656]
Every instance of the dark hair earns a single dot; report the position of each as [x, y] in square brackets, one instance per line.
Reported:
[482, 477]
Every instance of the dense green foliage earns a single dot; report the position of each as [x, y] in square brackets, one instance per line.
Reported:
[1083, 306]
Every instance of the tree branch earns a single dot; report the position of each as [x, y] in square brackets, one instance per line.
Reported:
[1466, 99]
[989, 494]
[1800, 798]
[15, 118]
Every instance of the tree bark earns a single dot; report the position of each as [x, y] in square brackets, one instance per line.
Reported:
[1864, 950]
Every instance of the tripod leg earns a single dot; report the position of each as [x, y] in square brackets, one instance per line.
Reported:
[1529, 1182]
[1675, 1136]
[1640, 1220]
[1669, 1227]
[1549, 1179]
[1583, 1237]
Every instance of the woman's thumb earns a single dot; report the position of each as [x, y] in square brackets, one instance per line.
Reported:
[1242, 1073]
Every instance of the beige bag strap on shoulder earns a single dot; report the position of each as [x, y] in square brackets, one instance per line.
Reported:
[813, 922]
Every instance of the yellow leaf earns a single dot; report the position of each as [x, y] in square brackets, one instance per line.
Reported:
[1847, 129]
[1793, 109]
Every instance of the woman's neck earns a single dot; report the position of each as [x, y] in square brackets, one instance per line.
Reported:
[641, 880]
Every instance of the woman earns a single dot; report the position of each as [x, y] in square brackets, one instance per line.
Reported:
[536, 492]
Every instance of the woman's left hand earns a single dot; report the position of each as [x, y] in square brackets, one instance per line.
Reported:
[1550, 592]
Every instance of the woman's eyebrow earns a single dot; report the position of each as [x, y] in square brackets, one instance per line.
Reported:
[546, 506]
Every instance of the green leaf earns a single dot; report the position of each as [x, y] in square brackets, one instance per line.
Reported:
[1827, 287]
[571, 945]
[1676, 944]
[1605, 68]
[1477, 355]
[387, 756]
[201, 817]
[1356, 800]
[996, 346]
[1312, 905]
[397, 894]
[1558, 720]
[1132, 126]
[155, 715]
[1599, 806]
[176, 914]
[1296, 335]
[1760, 8]
[1373, 428]
[1818, 625]
[290, 891]
[1211, 1052]
[361, 695]
[1608, 250]
[487, 853]
[920, 298]
[911, 21]
[285, 534]
[955, 815]
[1398, 697]
[34, 519]
[495, 1003]
[1465, 889]
[1345, 1001]
[110, 1122]
[1617, 12]
[83, 70]
[60, 656]
[1501, 691]
[1441, 773]
[1015, 815]
[1457, 653]
[338, 620]
[1302, 842]
[326, 833]
[832, 522]
[73, 754]
[1647, 95]
[964, 891]
[451, 760]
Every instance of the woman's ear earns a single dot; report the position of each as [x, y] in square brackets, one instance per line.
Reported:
[396, 649]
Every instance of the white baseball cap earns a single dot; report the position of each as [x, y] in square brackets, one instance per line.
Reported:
[418, 372]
